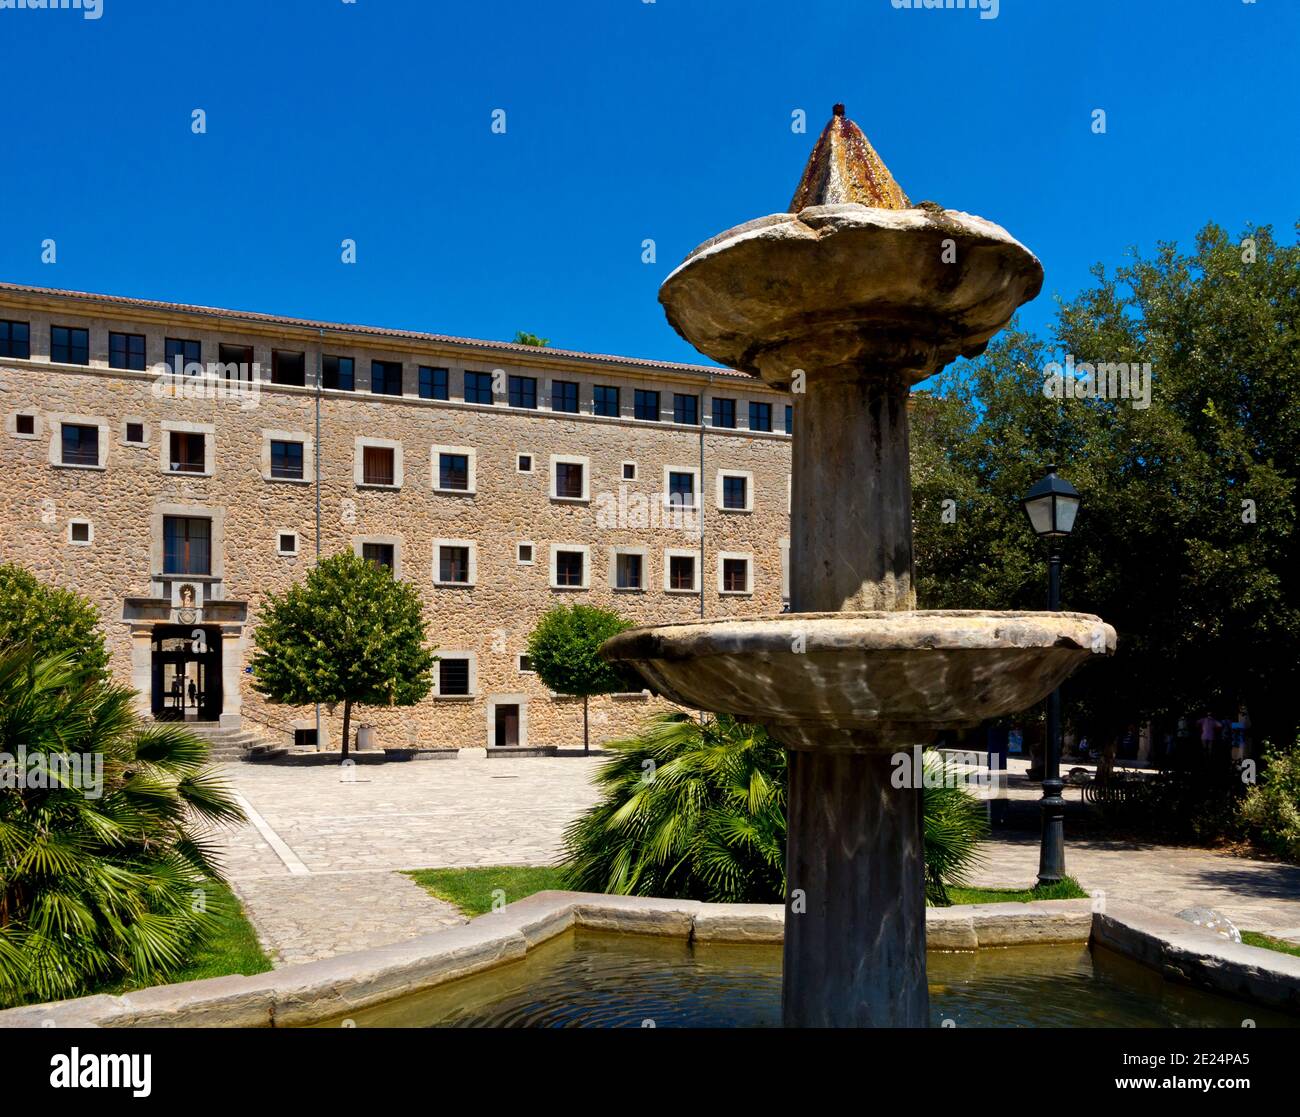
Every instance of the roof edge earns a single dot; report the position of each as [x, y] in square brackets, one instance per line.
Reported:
[378, 332]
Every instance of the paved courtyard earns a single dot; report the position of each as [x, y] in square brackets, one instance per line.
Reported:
[319, 866]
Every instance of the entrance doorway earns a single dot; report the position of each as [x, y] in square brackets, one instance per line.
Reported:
[506, 726]
[187, 673]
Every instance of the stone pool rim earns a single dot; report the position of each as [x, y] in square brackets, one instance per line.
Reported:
[313, 992]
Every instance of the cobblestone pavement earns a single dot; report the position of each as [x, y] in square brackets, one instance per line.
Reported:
[1255, 895]
[318, 869]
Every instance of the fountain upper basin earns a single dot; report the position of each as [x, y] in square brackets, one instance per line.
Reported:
[880, 678]
[847, 284]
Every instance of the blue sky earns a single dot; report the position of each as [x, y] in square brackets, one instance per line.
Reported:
[625, 121]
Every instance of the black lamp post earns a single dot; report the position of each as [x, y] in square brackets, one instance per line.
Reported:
[1051, 506]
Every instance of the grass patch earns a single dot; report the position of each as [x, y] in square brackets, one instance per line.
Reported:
[233, 949]
[1254, 938]
[471, 889]
[1067, 889]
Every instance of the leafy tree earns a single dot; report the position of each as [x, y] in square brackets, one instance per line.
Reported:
[349, 633]
[524, 338]
[103, 869]
[696, 810]
[1186, 541]
[564, 650]
[51, 620]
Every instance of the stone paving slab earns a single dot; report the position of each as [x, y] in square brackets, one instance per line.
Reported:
[347, 838]
[306, 918]
[1255, 895]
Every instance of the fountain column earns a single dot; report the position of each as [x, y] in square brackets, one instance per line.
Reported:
[851, 495]
[854, 953]
[855, 908]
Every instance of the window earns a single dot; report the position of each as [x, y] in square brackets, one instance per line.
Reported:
[604, 401]
[80, 445]
[478, 387]
[287, 543]
[434, 383]
[681, 572]
[569, 478]
[453, 564]
[286, 460]
[236, 362]
[69, 345]
[187, 452]
[525, 665]
[724, 412]
[25, 424]
[304, 738]
[789, 419]
[524, 554]
[628, 571]
[178, 353]
[386, 378]
[681, 488]
[733, 574]
[187, 545]
[646, 406]
[564, 396]
[524, 463]
[734, 490]
[570, 568]
[79, 531]
[629, 471]
[453, 472]
[339, 373]
[381, 554]
[377, 465]
[16, 340]
[453, 675]
[288, 368]
[135, 433]
[760, 416]
[126, 351]
[522, 391]
[686, 409]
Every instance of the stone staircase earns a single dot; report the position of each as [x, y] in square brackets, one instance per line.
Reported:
[232, 744]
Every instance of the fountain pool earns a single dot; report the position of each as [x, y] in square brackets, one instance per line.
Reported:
[594, 979]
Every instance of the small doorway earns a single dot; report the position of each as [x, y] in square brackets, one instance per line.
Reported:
[187, 673]
[506, 726]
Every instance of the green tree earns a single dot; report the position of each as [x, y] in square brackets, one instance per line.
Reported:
[349, 633]
[522, 337]
[564, 650]
[104, 854]
[695, 810]
[1186, 541]
[51, 620]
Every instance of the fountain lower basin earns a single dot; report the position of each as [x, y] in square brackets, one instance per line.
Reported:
[858, 680]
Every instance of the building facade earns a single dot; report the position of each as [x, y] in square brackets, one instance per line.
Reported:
[176, 463]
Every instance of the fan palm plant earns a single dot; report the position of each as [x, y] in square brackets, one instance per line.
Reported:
[104, 834]
[695, 809]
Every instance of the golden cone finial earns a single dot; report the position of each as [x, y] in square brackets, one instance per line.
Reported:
[844, 167]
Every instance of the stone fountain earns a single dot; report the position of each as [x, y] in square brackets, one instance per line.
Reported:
[848, 299]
